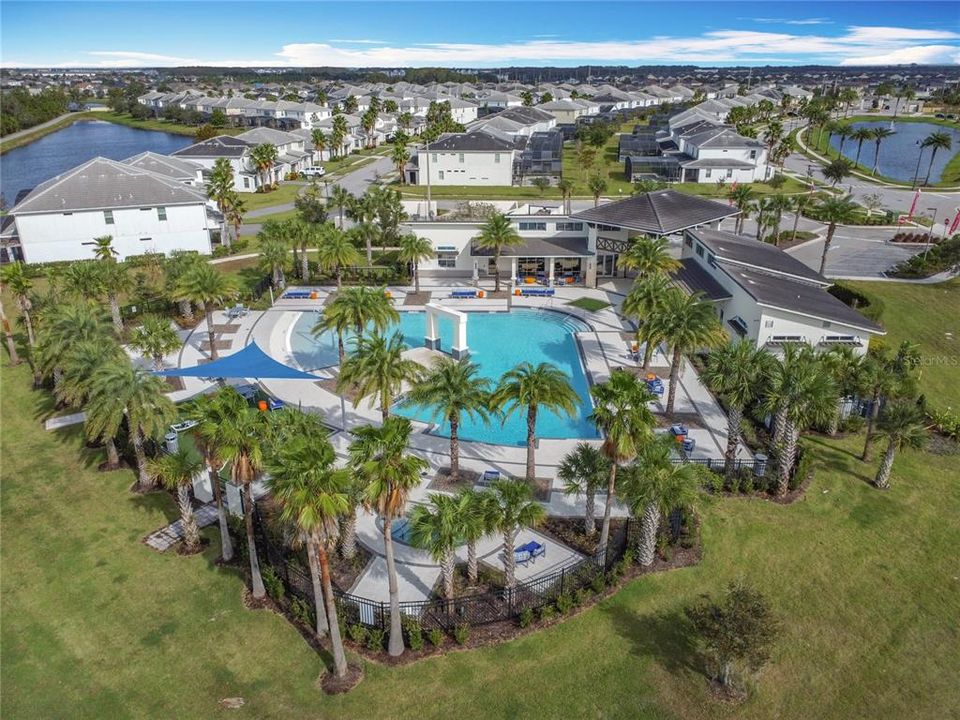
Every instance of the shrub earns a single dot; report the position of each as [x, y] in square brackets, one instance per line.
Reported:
[852, 424]
[598, 584]
[580, 596]
[946, 422]
[713, 482]
[461, 634]
[375, 639]
[525, 617]
[414, 633]
[273, 583]
[869, 306]
[564, 603]
[547, 612]
[800, 471]
[435, 636]
[300, 609]
[357, 633]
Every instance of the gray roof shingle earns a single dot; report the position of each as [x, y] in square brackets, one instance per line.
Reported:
[743, 250]
[662, 212]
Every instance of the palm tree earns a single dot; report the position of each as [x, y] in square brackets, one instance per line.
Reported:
[937, 141]
[797, 206]
[14, 276]
[686, 323]
[175, 471]
[355, 490]
[736, 372]
[377, 368]
[319, 140]
[566, 186]
[209, 413]
[311, 494]
[233, 209]
[837, 170]
[414, 249]
[400, 156]
[264, 157]
[452, 389]
[843, 132]
[834, 211]
[497, 234]
[363, 306]
[777, 204]
[526, 386]
[115, 279]
[64, 326]
[335, 252]
[378, 455]
[512, 507]
[881, 377]
[621, 413]
[436, 528]
[206, 286]
[78, 364]
[800, 392]
[119, 391]
[474, 518]
[583, 471]
[879, 135]
[154, 338]
[742, 197]
[654, 487]
[641, 304]
[274, 255]
[861, 134]
[648, 256]
[845, 367]
[597, 186]
[901, 423]
[240, 443]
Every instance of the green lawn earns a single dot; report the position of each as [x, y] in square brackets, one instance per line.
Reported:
[589, 304]
[285, 193]
[924, 314]
[283, 215]
[97, 625]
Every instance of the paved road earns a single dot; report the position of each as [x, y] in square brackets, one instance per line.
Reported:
[35, 128]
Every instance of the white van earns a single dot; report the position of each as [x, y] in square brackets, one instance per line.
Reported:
[314, 171]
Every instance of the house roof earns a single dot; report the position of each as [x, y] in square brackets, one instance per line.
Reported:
[539, 247]
[742, 250]
[798, 297]
[692, 278]
[220, 146]
[659, 213]
[722, 137]
[717, 163]
[176, 168]
[100, 184]
[260, 135]
[478, 141]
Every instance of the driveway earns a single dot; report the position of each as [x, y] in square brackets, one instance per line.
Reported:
[856, 253]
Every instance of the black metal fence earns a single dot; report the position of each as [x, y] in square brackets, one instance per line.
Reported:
[474, 610]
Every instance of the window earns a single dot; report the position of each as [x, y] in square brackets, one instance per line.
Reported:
[460, 158]
[496, 158]
[825, 323]
[569, 227]
[699, 250]
[246, 183]
[441, 174]
[108, 217]
[768, 324]
[729, 174]
[688, 241]
[753, 154]
[434, 158]
[447, 260]
[786, 338]
[161, 213]
[533, 225]
[707, 173]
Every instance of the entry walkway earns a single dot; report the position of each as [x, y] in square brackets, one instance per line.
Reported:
[164, 538]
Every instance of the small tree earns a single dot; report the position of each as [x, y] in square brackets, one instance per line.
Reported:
[739, 628]
[541, 183]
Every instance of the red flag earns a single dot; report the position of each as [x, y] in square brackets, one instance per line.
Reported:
[916, 199]
[956, 223]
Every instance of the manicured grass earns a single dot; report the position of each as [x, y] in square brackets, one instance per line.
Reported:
[478, 192]
[924, 314]
[589, 304]
[285, 193]
[284, 215]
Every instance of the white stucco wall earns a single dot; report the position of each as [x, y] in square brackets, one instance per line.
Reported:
[476, 168]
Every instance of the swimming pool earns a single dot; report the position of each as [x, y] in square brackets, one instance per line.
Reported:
[498, 342]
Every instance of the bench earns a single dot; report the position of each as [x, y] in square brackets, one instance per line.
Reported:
[537, 292]
[463, 294]
[296, 295]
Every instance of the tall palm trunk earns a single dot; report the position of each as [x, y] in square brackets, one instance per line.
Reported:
[589, 514]
[834, 425]
[531, 442]
[472, 565]
[648, 350]
[315, 574]
[191, 533]
[859, 148]
[339, 278]
[144, 483]
[831, 229]
[395, 643]
[226, 544]
[871, 426]
[348, 535]
[496, 271]
[211, 333]
[186, 309]
[296, 256]
[796, 221]
[8, 333]
[256, 580]
[509, 559]
[734, 418]
[454, 449]
[416, 278]
[113, 457]
[926, 180]
[446, 571]
[876, 159]
[788, 457]
[649, 525]
[115, 313]
[607, 507]
[883, 475]
[304, 263]
[674, 380]
[336, 642]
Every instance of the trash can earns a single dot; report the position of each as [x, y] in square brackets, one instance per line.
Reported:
[172, 441]
[759, 465]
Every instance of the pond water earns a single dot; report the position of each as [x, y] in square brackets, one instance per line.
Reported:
[29, 165]
[899, 153]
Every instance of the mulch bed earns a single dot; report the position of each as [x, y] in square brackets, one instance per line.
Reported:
[175, 383]
[219, 344]
[333, 685]
[691, 420]
[182, 547]
[502, 295]
[662, 372]
[542, 487]
[421, 298]
[330, 384]
[225, 329]
[331, 296]
[343, 572]
[569, 531]
[941, 445]
[442, 481]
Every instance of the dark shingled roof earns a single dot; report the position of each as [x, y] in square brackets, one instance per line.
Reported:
[742, 250]
[798, 297]
[478, 141]
[540, 247]
[692, 278]
[658, 213]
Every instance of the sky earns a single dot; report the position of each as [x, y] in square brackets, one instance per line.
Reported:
[476, 34]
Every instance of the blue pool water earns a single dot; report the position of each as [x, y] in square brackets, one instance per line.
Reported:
[498, 342]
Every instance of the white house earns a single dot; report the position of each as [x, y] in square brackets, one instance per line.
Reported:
[767, 296]
[474, 158]
[184, 171]
[144, 212]
[235, 151]
[721, 154]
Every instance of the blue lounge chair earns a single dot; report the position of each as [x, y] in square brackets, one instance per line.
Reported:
[489, 477]
[275, 404]
[529, 552]
[537, 292]
[463, 294]
[678, 429]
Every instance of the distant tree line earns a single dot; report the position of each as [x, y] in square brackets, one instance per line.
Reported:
[21, 110]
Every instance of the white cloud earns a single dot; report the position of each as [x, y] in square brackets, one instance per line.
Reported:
[363, 41]
[791, 21]
[919, 54]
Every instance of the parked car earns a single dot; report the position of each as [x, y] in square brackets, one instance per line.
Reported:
[314, 171]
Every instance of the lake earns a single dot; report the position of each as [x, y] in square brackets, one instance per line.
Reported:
[29, 165]
[899, 152]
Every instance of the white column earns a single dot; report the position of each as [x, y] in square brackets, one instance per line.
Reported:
[549, 272]
[513, 268]
[460, 348]
[432, 338]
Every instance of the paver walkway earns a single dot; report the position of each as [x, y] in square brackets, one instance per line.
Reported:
[162, 539]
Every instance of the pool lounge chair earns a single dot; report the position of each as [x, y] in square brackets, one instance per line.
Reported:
[537, 292]
[463, 293]
[489, 477]
[237, 311]
[529, 552]
[296, 295]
